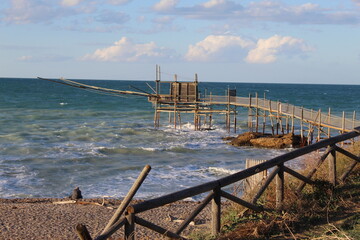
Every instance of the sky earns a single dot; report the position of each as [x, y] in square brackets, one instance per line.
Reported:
[265, 41]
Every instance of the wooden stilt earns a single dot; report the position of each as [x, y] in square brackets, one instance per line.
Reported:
[329, 122]
[271, 118]
[292, 120]
[250, 125]
[301, 125]
[319, 127]
[332, 167]
[257, 114]
[277, 118]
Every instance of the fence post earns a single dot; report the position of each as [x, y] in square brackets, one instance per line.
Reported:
[216, 211]
[130, 226]
[332, 166]
[280, 187]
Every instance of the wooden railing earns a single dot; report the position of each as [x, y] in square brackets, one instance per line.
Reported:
[215, 192]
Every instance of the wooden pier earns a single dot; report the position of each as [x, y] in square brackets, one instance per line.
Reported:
[281, 118]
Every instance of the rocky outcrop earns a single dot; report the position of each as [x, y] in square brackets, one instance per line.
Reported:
[267, 140]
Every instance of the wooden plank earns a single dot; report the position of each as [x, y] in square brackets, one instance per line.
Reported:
[332, 166]
[298, 175]
[116, 226]
[157, 228]
[346, 153]
[125, 202]
[82, 232]
[216, 212]
[265, 185]
[348, 171]
[198, 209]
[241, 202]
[130, 226]
[280, 187]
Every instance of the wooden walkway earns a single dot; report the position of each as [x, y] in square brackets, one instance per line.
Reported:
[278, 109]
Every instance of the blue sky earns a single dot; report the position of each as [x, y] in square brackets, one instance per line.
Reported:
[220, 40]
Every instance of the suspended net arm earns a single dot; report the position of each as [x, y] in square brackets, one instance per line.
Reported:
[95, 88]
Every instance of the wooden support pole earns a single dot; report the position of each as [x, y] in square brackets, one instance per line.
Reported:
[82, 232]
[301, 124]
[264, 121]
[125, 202]
[292, 120]
[280, 188]
[216, 212]
[156, 117]
[130, 226]
[343, 122]
[271, 119]
[354, 119]
[329, 123]
[319, 127]
[332, 167]
[257, 113]
[250, 125]
[179, 116]
[277, 117]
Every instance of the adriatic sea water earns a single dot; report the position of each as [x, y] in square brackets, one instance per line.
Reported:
[54, 138]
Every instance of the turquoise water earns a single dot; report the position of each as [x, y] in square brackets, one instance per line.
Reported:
[54, 138]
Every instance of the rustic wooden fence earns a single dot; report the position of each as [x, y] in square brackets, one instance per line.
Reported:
[215, 191]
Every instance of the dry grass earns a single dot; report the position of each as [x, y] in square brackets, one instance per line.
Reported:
[321, 212]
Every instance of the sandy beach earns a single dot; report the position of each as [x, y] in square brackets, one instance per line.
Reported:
[40, 218]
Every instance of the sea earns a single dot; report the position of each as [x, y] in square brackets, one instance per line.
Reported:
[54, 138]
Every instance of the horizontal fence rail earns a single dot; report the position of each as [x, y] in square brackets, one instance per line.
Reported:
[215, 192]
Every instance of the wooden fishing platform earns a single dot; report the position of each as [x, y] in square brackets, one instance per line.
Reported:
[176, 98]
[184, 97]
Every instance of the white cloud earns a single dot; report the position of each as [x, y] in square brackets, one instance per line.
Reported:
[118, 2]
[70, 3]
[230, 48]
[165, 5]
[218, 48]
[125, 50]
[267, 50]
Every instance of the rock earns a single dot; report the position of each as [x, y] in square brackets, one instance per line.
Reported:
[76, 194]
[244, 139]
[267, 140]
